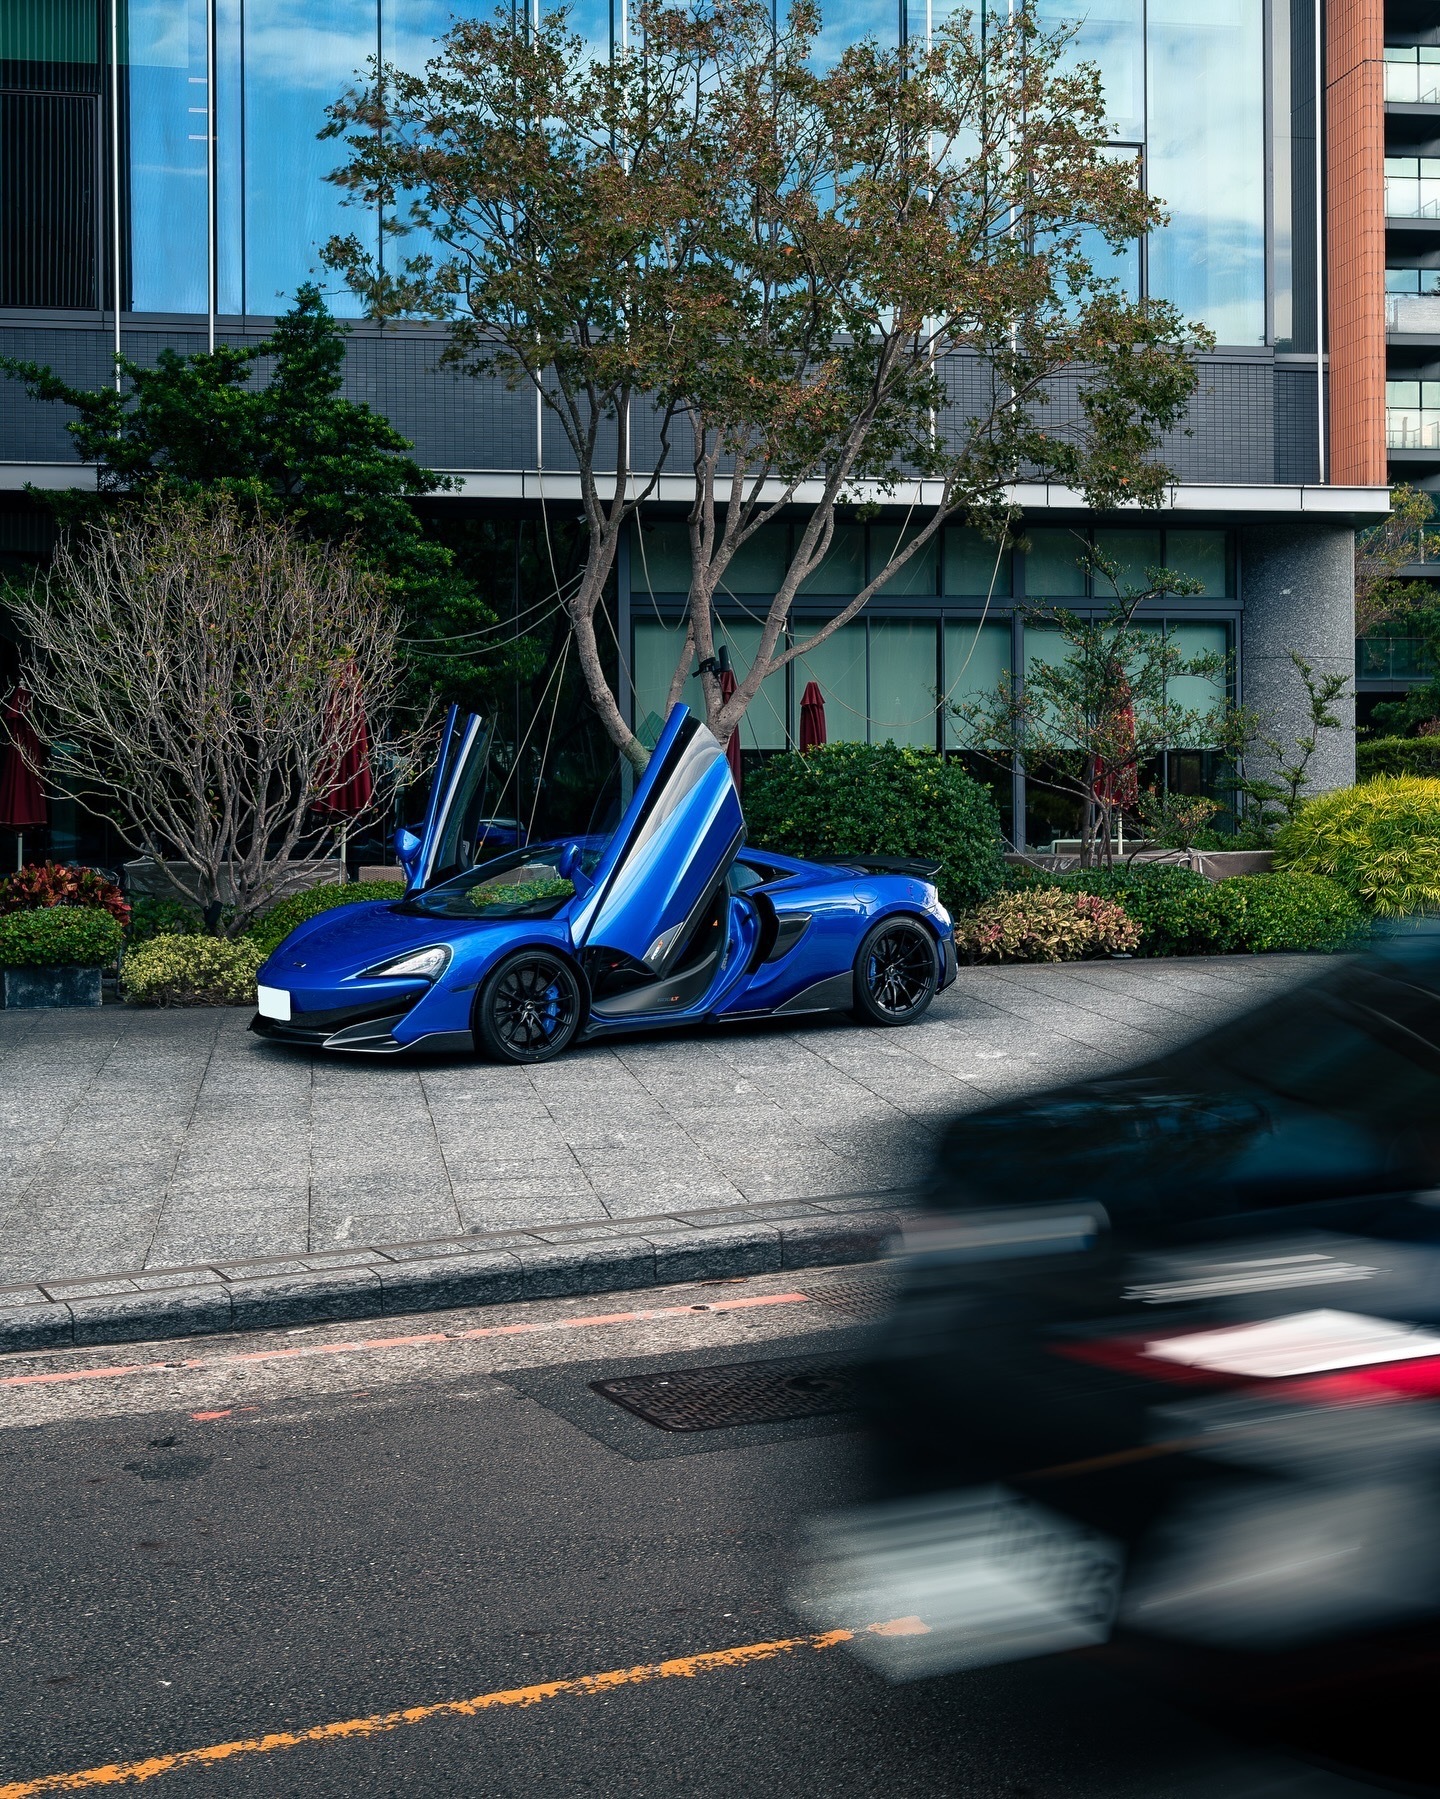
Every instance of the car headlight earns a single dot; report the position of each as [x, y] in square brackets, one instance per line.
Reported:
[417, 964]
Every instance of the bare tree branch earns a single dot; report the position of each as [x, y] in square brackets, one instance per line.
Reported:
[200, 672]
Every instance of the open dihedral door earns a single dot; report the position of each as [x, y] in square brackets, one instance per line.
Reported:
[669, 855]
[456, 799]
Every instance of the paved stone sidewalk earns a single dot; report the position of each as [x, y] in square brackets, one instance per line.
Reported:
[148, 1139]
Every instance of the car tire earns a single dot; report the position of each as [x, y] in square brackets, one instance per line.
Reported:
[897, 972]
[530, 1008]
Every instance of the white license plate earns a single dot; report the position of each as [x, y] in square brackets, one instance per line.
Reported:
[274, 1003]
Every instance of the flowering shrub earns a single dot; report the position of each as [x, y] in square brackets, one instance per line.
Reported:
[58, 937]
[191, 971]
[55, 884]
[1045, 924]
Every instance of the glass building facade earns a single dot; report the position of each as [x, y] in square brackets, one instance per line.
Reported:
[161, 165]
[955, 621]
[237, 232]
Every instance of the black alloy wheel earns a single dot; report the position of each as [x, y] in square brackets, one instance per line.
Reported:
[529, 1009]
[897, 972]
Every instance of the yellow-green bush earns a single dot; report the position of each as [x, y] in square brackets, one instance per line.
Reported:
[1380, 841]
[191, 971]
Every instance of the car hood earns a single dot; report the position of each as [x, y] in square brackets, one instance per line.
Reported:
[353, 937]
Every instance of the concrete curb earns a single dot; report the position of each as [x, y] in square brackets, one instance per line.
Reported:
[388, 1280]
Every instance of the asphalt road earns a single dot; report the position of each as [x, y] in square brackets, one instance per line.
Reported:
[308, 1534]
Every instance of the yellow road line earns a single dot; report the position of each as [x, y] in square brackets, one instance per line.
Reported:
[684, 1667]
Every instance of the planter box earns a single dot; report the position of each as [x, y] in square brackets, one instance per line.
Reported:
[146, 879]
[59, 986]
[1213, 864]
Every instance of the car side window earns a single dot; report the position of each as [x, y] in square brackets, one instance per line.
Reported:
[744, 875]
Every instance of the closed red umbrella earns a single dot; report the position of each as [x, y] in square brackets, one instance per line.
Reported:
[1117, 782]
[812, 717]
[22, 799]
[351, 784]
[732, 748]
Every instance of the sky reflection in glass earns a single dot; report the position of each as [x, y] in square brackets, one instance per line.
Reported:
[1204, 157]
[1207, 162]
[298, 60]
[1111, 35]
[168, 126]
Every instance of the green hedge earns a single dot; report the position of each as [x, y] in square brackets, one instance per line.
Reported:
[880, 799]
[1287, 911]
[1380, 841]
[191, 971]
[59, 936]
[1397, 756]
[271, 931]
[1174, 907]
[1180, 913]
[152, 917]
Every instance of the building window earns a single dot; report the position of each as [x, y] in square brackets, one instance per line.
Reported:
[658, 643]
[838, 666]
[903, 681]
[975, 564]
[1057, 563]
[879, 678]
[1412, 187]
[1110, 34]
[1412, 415]
[167, 124]
[1206, 162]
[1412, 281]
[1412, 74]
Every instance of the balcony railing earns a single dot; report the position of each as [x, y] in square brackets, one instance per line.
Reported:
[1412, 428]
[1412, 196]
[1418, 314]
[1392, 659]
[1412, 83]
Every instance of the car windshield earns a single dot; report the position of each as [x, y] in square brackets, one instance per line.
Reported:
[531, 883]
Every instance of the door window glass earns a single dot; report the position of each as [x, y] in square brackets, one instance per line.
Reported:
[976, 657]
[837, 666]
[903, 680]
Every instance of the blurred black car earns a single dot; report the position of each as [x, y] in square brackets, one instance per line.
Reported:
[1163, 1373]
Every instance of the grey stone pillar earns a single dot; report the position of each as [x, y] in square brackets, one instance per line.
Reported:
[1298, 586]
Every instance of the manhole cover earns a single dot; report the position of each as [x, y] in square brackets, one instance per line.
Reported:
[743, 1393]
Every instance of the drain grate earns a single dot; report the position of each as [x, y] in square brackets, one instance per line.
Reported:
[688, 1399]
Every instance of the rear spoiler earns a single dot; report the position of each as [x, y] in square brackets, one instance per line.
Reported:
[917, 866]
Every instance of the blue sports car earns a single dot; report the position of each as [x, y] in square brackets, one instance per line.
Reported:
[671, 919]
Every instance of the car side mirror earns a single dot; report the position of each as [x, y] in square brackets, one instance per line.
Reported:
[407, 848]
[568, 863]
